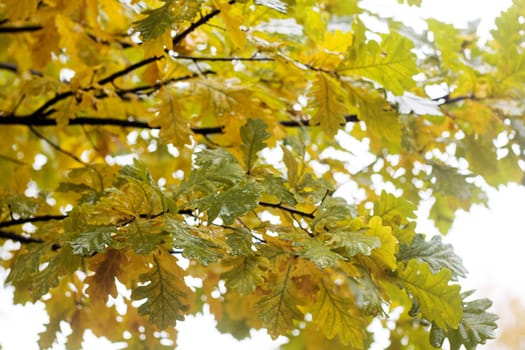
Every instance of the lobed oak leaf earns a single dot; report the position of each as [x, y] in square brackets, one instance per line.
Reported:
[167, 296]
[279, 307]
[106, 268]
[385, 254]
[253, 135]
[328, 103]
[438, 255]
[390, 63]
[337, 315]
[436, 300]
[246, 274]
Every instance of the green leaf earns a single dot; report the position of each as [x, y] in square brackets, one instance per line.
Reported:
[92, 239]
[332, 212]
[25, 266]
[353, 242]
[165, 292]
[145, 235]
[276, 5]
[313, 188]
[156, 22]
[476, 327]
[140, 175]
[222, 185]
[317, 252]
[390, 63]
[336, 316]
[253, 135]
[275, 186]
[22, 206]
[438, 255]
[203, 249]
[73, 187]
[437, 301]
[240, 241]
[246, 274]
[159, 20]
[367, 295]
[62, 263]
[216, 170]
[232, 203]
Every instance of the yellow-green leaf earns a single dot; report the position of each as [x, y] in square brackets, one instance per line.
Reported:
[438, 301]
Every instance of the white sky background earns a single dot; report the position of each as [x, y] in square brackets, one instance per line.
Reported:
[490, 241]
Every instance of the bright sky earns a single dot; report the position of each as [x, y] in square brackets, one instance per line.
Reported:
[489, 240]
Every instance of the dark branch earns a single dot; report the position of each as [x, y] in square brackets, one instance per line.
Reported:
[128, 69]
[131, 123]
[447, 99]
[352, 118]
[59, 97]
[203, 20]
[31, 220]
[36, 121]
[14, 68]
[177, 39]
[57, 147]
[223, 59]
[148, 89]
[21, 29]
[19, 238]
[290, 210]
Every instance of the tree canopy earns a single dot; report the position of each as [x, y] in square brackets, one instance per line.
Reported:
[264, 159]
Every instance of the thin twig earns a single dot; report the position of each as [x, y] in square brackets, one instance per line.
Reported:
[31, 220]
[57, 147]
[222, 59]
[14, 68]
[290, 210]
[13, 160]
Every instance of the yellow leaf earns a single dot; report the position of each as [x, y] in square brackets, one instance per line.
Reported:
[233, 20]
[174, 127]
[385, 254]
[20, 9]
[328, 103]
[337, 41]
[337, 315]
[475, 117]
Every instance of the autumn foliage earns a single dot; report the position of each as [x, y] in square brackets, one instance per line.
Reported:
[261, 159]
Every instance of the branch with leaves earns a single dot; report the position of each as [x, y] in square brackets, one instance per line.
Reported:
[254, 144]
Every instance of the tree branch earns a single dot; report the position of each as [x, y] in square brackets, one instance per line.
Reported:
[177, 39]
[290, 210]
[19, 29]
[131, 123]
[14, 68]
[223, 59]
[31, 220]
[19, 238]
[203, 20]
[57, 147]
[449, 100]
[128, 69]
